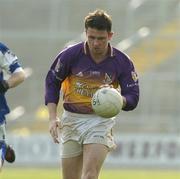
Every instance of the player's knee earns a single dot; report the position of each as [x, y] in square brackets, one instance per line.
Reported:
[90, 174]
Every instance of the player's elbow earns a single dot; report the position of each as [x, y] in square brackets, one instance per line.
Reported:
[129, 107]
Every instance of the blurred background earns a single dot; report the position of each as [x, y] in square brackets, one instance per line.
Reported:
[147, 30]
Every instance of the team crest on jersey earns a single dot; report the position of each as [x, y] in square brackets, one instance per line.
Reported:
[107, 79]
[134, 76]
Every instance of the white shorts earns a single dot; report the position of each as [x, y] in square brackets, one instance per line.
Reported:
[79, 129]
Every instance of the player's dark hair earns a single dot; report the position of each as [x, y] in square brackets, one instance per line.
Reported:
[99, 20]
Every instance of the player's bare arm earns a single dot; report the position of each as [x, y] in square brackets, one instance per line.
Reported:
[54, 122]
[16, 79]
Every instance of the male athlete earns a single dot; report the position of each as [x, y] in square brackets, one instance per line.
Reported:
[8, 64]
[78, 71]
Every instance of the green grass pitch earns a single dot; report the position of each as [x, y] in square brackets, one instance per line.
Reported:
[46, 173]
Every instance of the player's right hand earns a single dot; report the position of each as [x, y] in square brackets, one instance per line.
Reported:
[54, 127]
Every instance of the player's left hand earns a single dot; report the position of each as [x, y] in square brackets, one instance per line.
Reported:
[4, 86]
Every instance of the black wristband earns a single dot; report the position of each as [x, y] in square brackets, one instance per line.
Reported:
[4, 86]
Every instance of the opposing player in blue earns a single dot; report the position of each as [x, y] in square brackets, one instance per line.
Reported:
[78, 71]
[8, 64]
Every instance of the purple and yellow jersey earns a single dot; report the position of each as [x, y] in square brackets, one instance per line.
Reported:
[78, 77]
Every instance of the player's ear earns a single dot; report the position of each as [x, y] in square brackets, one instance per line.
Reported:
[110, 34]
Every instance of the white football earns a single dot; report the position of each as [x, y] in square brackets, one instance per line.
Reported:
[107, 102]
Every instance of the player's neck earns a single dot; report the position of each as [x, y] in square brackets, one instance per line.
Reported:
[99, 57]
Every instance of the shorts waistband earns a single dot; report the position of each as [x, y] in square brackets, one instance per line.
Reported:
[78, 114]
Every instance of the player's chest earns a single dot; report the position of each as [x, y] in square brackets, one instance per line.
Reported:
[86, 67]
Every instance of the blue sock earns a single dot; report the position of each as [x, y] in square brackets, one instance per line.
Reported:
[3, 148]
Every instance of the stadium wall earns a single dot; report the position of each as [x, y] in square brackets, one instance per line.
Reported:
[142, 150]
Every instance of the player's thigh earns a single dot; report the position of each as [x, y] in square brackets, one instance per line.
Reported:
[71, 148]
[93, 157]
[71, 160]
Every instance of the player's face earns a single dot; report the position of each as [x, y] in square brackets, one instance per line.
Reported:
[98, 40]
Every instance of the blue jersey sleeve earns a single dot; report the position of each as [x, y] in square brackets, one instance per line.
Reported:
[8, 60]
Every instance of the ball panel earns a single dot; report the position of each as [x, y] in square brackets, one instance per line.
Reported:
[107, 102]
